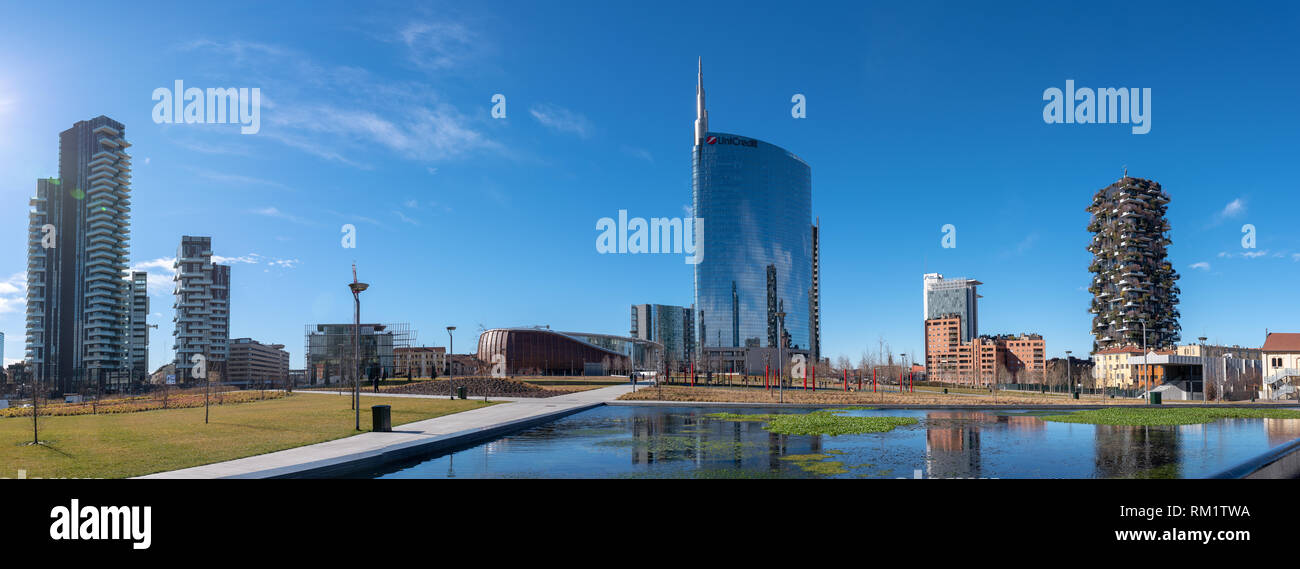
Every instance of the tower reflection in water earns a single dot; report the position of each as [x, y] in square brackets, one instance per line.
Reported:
[1137, 452]
[691, 437]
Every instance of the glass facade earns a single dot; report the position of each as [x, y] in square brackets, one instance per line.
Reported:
[755, 200]
[953, 297]
[672, 326]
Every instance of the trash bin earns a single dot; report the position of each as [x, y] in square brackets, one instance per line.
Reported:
[460, 392]
[1154, 398]
[945, 391]
[1076, 394]
[382, 418]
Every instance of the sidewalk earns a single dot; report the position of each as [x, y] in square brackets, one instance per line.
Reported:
[372, 450]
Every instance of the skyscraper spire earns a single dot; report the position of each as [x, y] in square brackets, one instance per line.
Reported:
[701, 115]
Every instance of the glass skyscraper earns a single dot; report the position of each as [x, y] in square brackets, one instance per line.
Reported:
[755, 200]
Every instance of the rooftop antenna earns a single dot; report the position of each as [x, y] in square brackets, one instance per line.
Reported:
[1125, 171]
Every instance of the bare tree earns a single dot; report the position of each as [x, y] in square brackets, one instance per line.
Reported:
[36, 410]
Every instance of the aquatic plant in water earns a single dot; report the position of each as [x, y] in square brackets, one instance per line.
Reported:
[1146, 416]
[828, 423]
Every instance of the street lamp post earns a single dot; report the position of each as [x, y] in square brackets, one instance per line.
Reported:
[356, 287]
[1068, 378]
[451, 352]
[1204, 366]
[902, 357]
[1146, 394]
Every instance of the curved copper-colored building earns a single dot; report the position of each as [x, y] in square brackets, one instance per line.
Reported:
[544, 351]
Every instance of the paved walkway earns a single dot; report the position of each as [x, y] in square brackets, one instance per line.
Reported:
[371, 450]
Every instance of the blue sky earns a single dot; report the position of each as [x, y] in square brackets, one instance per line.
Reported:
[919, 114]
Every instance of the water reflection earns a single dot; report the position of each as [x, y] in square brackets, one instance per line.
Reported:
[685, 442]
[1138, 451]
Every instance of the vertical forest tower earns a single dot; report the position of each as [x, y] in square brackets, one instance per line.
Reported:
[1133, 282]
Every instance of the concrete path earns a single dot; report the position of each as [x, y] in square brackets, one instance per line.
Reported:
[372, 450]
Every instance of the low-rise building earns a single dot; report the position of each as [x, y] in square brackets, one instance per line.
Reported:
[1005, 358]
[1281, 356]
[1111, 368]
[420, 361]
[251, 363]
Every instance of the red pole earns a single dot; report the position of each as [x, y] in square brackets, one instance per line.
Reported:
[859, 381]
[846, 379]
[805, 376]
[765, 378]
[911, 382]
[873, 380]
[692, 374]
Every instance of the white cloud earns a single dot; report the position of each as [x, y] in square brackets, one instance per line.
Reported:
[439, 45]
[405, 218]
[340, 112]
[13, 293]
[159, 275]
[412, 204]
[1202, 265]
[561, 120]
[284, 263]
[251, 258]
[1247, 254]
[275, 212]
[1233, 209]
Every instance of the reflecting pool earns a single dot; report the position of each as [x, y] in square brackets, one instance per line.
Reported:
[673, 442]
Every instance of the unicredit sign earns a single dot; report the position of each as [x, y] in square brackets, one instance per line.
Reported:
[733, 140]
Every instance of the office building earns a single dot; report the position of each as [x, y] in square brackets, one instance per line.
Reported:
[671, 326]
[957, 297]
[331, 351]
[202, 303]
[139, 325]
[1134, 285]
[755, 200]
[77, 252]
[955, 352]
[252, 364]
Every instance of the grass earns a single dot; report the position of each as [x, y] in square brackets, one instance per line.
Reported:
[1147, 416]
[133, 444]
[133, 404]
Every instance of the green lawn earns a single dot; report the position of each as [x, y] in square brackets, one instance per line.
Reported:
[133, 444]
